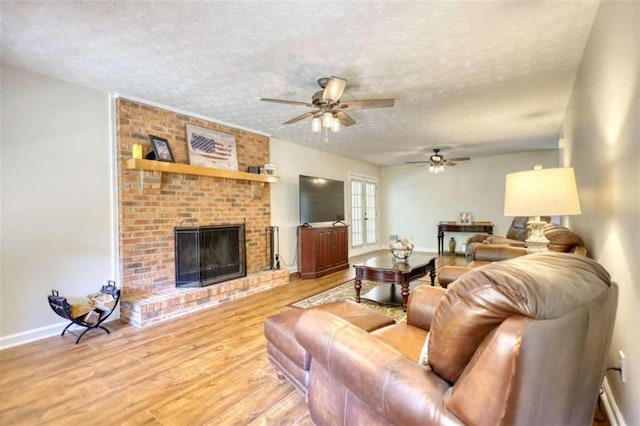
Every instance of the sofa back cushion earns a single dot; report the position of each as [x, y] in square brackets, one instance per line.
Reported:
[518, 229]
[539, 286]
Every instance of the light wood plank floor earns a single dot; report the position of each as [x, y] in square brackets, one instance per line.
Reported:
[206, 368]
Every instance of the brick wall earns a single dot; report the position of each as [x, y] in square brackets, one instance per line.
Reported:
[148, 215]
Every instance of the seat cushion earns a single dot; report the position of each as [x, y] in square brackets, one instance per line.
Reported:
[405, 338]
[278, 329]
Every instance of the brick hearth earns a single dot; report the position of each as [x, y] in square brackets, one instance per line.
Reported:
[143, 308]
[151, 204]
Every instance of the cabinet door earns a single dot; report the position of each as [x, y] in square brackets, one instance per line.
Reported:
[342, 246]
[333, 251]
[338, 247]
[323, 249]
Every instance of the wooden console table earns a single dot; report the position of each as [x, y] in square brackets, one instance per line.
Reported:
[448, 227]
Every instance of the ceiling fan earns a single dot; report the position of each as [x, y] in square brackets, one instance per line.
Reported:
[329, 110]
[437, 161]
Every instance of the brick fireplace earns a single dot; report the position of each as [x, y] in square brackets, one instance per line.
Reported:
[152, 204]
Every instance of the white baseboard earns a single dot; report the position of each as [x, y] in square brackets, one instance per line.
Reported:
[31, 335]
[42, 333]
[610, 406]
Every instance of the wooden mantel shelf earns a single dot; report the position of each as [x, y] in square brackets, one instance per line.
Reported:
[186, 169]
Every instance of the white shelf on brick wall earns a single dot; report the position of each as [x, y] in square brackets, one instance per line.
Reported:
[186, 169]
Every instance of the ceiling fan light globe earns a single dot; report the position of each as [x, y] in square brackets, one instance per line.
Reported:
[316, 124]
[327, 120]
[335, 125]
[432, 169]
[441, 168]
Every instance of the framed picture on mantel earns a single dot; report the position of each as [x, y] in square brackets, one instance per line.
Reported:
[209, 148]
[161, 149]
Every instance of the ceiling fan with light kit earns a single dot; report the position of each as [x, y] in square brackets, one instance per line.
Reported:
[437, 161]
[329, 111]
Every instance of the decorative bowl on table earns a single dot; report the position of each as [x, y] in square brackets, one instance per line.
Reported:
[401, 249]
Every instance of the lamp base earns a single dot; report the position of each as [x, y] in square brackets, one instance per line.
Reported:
[536, 242]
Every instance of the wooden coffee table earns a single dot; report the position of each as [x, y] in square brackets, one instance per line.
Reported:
[389, 270]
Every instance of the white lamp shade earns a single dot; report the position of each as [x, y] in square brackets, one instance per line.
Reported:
[544, 192]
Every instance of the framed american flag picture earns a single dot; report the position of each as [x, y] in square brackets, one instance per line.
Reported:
[209, 148]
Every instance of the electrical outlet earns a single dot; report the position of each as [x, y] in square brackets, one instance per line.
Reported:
[393, 237]
[621, 365]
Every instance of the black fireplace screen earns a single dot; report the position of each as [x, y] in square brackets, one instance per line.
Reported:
[208, 255]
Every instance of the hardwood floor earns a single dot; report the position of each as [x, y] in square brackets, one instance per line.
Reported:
[206, 368]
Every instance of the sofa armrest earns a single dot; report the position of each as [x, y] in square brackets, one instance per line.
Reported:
[422, 305]
[496, 253]
[373, 371]
[477, 238]
[505, 241]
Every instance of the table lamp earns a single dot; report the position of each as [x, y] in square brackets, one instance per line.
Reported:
[541, 192]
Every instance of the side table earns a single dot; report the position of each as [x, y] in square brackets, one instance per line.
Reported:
[445, 227]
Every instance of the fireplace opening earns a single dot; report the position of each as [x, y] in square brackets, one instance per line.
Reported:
[207, 255]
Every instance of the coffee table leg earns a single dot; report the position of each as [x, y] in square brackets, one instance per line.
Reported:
[405, 296]
[358, 286]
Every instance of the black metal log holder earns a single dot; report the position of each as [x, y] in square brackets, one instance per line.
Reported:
[61, 306]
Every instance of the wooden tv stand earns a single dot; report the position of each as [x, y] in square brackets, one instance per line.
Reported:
[322, 250]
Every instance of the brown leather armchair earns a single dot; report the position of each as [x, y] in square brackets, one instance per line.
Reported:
[506, 346]
[517, 233]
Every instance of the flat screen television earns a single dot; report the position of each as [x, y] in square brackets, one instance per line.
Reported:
[321, 199]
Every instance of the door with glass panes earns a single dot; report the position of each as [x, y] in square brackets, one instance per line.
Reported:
[364, 223]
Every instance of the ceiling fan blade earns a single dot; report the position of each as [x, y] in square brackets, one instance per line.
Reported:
[367, 103]
[461, 159]
[283, 101]
[334, 89]
[345, 119]
[301, 117]
[417, 162]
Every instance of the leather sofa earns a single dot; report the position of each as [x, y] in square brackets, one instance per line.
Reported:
[561, 239]
[516, 342]
[517, 233]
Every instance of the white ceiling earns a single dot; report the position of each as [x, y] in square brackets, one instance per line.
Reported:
[483, 77]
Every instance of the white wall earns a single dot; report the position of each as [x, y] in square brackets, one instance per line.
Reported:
[414, 201]
[292, 160]
[56, 199]
[602, 130]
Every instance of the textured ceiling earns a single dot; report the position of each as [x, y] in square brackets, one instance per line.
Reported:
[482, 77]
